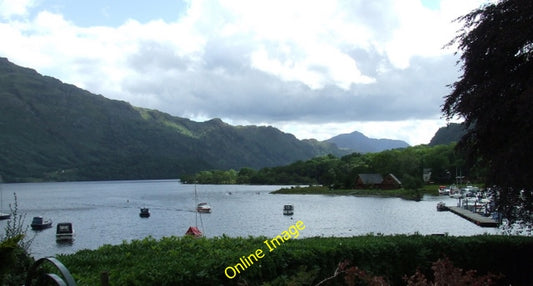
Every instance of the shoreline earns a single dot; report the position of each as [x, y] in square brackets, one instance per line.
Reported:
[394, 193]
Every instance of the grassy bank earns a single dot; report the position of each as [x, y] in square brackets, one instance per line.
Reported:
[188, 261]
[399, 193]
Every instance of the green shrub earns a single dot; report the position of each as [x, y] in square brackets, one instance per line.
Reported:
[187, 261]
[14, 246]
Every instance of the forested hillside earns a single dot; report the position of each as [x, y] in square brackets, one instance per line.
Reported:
[452, 132]
[407, 164]
[50, 130]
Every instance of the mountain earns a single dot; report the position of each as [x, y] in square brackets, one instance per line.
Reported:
[54, 131]
[448, 134]
[358, 142]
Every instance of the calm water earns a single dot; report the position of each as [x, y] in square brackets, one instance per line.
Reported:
[108, 212]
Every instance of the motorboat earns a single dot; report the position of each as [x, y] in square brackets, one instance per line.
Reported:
[145, 212]
[4, 216]
[441, 206]
[203, 208]
[443, 190]
[288, 209]
[457, 195]
[39, 223]
[64, 232]
[454, 190]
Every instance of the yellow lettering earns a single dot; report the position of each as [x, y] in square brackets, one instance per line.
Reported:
[237, 268]
[270, 248]
[259, 253]
[232, 269]
[250, 260]
[300, 225]
[244, 262]
[276, 240]
[294, 231]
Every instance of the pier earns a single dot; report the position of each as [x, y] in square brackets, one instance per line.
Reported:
[473, 217]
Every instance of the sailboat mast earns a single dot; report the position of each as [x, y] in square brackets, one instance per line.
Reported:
[1, 196]
[3, 215]
[195, 205]
[195, 195]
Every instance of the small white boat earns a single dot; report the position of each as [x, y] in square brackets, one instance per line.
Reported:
[457, 195]
[441, 206]
[203, 208]
[454, 190]
[288, 209]
[443, 190]
[64, 232]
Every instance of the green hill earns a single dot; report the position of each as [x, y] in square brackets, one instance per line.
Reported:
[54, 131]
[453, 132]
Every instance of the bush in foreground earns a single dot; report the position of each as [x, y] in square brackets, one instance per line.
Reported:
[188, 261]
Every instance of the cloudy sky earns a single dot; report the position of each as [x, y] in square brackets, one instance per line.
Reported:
[311, 68]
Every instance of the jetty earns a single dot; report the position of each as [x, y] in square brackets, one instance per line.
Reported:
[474, 217]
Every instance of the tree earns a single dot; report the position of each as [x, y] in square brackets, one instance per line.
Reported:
[494, 96]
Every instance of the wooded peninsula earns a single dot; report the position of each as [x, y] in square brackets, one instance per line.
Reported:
[414, 166]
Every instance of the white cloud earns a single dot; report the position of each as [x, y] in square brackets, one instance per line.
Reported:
[312, 63]
[422, 31]
[316, 67]
[11, 8]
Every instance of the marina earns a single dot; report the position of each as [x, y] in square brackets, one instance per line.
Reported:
[473, 217]
[473, 204]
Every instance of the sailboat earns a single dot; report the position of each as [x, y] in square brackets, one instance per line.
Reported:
[2, 215]
[193, 230]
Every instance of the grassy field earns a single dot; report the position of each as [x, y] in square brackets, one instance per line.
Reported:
[401, 193]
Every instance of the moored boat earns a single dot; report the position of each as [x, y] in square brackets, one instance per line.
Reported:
[39, 223]
[4, 216]
[194, 231]
[444, 190]
[203, 208]
[288, 209]
[145, 212]
[64, 232]
[200, 208]
[441, 206]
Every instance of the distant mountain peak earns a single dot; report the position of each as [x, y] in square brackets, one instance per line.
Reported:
[358, 142]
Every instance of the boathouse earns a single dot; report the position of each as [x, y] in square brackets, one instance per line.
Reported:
[391, 182]
[376, 181]
[368, 181]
